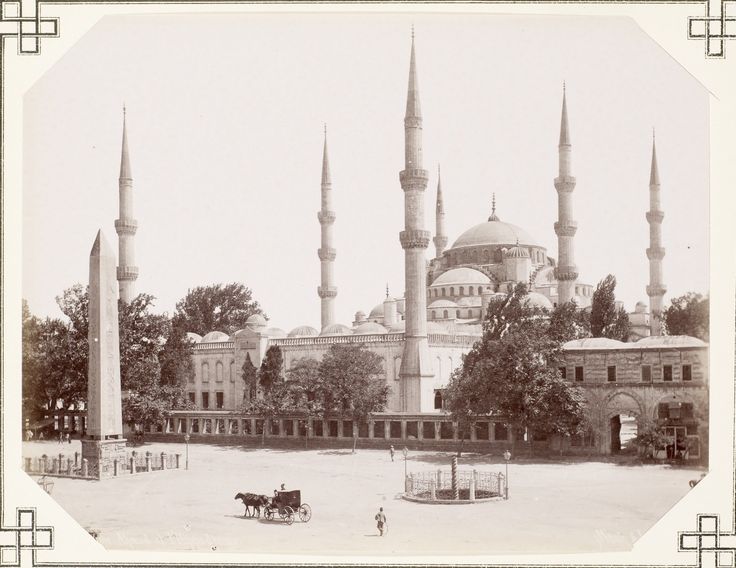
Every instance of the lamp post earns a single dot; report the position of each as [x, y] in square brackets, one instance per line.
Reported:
[186, 459]
[405, 451]
[507, 457]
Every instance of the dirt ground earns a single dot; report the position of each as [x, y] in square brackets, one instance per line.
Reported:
[553, 506]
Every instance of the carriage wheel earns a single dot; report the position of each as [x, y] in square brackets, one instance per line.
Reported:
[268, 513]
[289, 515]
[305, 513]
[283, 513]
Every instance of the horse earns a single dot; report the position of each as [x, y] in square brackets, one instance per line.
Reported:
[252, 500]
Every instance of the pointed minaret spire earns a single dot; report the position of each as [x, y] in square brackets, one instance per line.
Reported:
[126, 226]
[565, 272]
[387, 294]
[493, 216]
[440, 239]
[327, 253]
[655, 253]
[416, 366]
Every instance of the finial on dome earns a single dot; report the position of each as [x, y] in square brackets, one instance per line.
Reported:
[493, 216]
[387, 290]
[325, 129]
[412, 32]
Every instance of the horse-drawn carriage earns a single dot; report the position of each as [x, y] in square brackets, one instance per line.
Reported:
[287, 504]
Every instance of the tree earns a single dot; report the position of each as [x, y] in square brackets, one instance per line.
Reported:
[270, 372]
[607, 320]
[307, 390]
[216, 307]
[274, 402]
[353, 384]
[175, 359]
[568, 322]
[249, 374]
[688, 315]
[512, 372]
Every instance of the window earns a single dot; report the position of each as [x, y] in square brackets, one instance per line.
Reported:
[480, 290]
[646, 373]
[444, 292]
[667, 372]
[219, 399]
[457, 314]
[444, 313]
[462, 291]
[579, 374]
[438, 399]
[205, 400]
[612, 373]
[192, 397]
[471, 290]
[218, 371]
[500, 432]
[433, 315]
[687, 372]
[452, 290]
[563, 372]
[232, 371]
[205, 372]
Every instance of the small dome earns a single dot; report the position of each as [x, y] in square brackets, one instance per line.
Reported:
[494, 233]
[256, 320]
[370, 327]
[640, 308]
[360, 315]
[303, 331]
[461, 276]
[215, 336]
[595, 343]
[195, 337]
[537, 300]
[670, 341]
[517, 252]
[274, 332]
[442, 304]
[337, 329]
[377, 311]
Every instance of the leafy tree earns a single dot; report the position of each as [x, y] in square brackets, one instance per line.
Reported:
[270, 372]
[175, 359]
[606, 320]
[249, 374]
[649, 438]
[688, 315]
[218, 307]
[274, 402]
[353, 385]
[568, 322]
[512, 372]
[307, 390]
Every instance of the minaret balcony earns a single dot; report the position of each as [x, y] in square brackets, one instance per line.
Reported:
[412, 122]
[327, 253]
[439, 241]
[565, 183]
[563, 273]
[655, 253]
[414, 239]
[127, 272]
[327, 291]
[413, 178]
[656, 290]
[126, 226]
[566, 228]
[655, 216]
[326, 217]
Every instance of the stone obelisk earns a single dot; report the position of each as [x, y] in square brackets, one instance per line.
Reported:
[103, 442]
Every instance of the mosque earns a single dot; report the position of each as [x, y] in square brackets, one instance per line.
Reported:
[421, 338]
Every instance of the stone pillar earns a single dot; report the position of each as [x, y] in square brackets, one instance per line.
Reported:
[115, 468]
[437, 426]
[371, 425]
[27, 464]
[403, 429]
[69, 470]
[420, 430]
[253, 426]
[55, 466]
[473, 434]
[295, 427]
[455, 435]
[44, 461]
[325, 428]
[471, 489]
[163, 460]
[439, 479]
[76, 459]
[148, 461]
[339, 429]
[178, 461]
[432, 490]
[85, 468]
[132, 463]
[455, 488]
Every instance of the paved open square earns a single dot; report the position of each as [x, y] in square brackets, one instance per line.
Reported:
[553, 506]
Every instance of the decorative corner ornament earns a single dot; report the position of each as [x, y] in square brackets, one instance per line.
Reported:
[22, 19]
[24, 536]
[715, 28]
[713, 547]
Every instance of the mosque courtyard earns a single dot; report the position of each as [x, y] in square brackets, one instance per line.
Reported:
[553, 506]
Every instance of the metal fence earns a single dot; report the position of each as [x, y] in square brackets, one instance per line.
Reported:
[471, 484]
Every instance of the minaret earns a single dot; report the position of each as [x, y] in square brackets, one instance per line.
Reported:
[655, 252]
[440, 239]
[415, 364]
[566, 272]
[126, 226]
[327, 291]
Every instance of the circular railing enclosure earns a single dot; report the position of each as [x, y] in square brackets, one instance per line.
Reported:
[465, 486]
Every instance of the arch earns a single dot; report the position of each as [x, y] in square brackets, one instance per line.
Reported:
[457, 314]
[232, 371]
[444, 292]
[444, 313]
[397, 368]
[497, 255]
[205, 372]
[438, 367]
[452, 290]
[452, 366]
[462, 291]
[480, 289]
[471, 290]
[438, 400]
[218, 371]
[622, 402]
[486, 256]
[474, 256]
[433, 315]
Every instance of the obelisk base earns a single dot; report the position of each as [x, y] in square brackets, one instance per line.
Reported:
[101, 456]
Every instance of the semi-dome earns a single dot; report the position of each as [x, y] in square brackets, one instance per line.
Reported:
[256, 320]
[215, 336]
[670, 341]
[517, 252]
[337, 329]
[195, 337]
[537, 300]
[303, 331]
[370, 327]
[461, 276]
[594, 343]
[442, 304]
[494, 233]
[470, 302]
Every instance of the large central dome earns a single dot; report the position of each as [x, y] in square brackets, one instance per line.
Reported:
[494, 233]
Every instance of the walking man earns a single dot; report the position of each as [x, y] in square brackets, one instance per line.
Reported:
[381, 520]
[391, 451]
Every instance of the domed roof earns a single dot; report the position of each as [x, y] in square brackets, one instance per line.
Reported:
[517, 252]
[670, 341]
[442, 304]
[369, 327]
[494, 233]
[337, 329]
[594, 343]
[640, 307]
[274, 332]
[195, 337]
[214, 336]
[377, 311]
[303, 331]
[470, 302]
[537, 300]
[256, 320]
[461, 276]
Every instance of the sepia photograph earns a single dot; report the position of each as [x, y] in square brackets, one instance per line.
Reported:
[373, 285]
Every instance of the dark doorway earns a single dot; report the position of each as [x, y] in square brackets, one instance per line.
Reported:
[615, 434]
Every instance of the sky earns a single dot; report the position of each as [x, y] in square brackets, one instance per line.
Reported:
[225, 121]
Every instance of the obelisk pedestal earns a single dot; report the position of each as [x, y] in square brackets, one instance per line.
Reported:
[104, 442]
